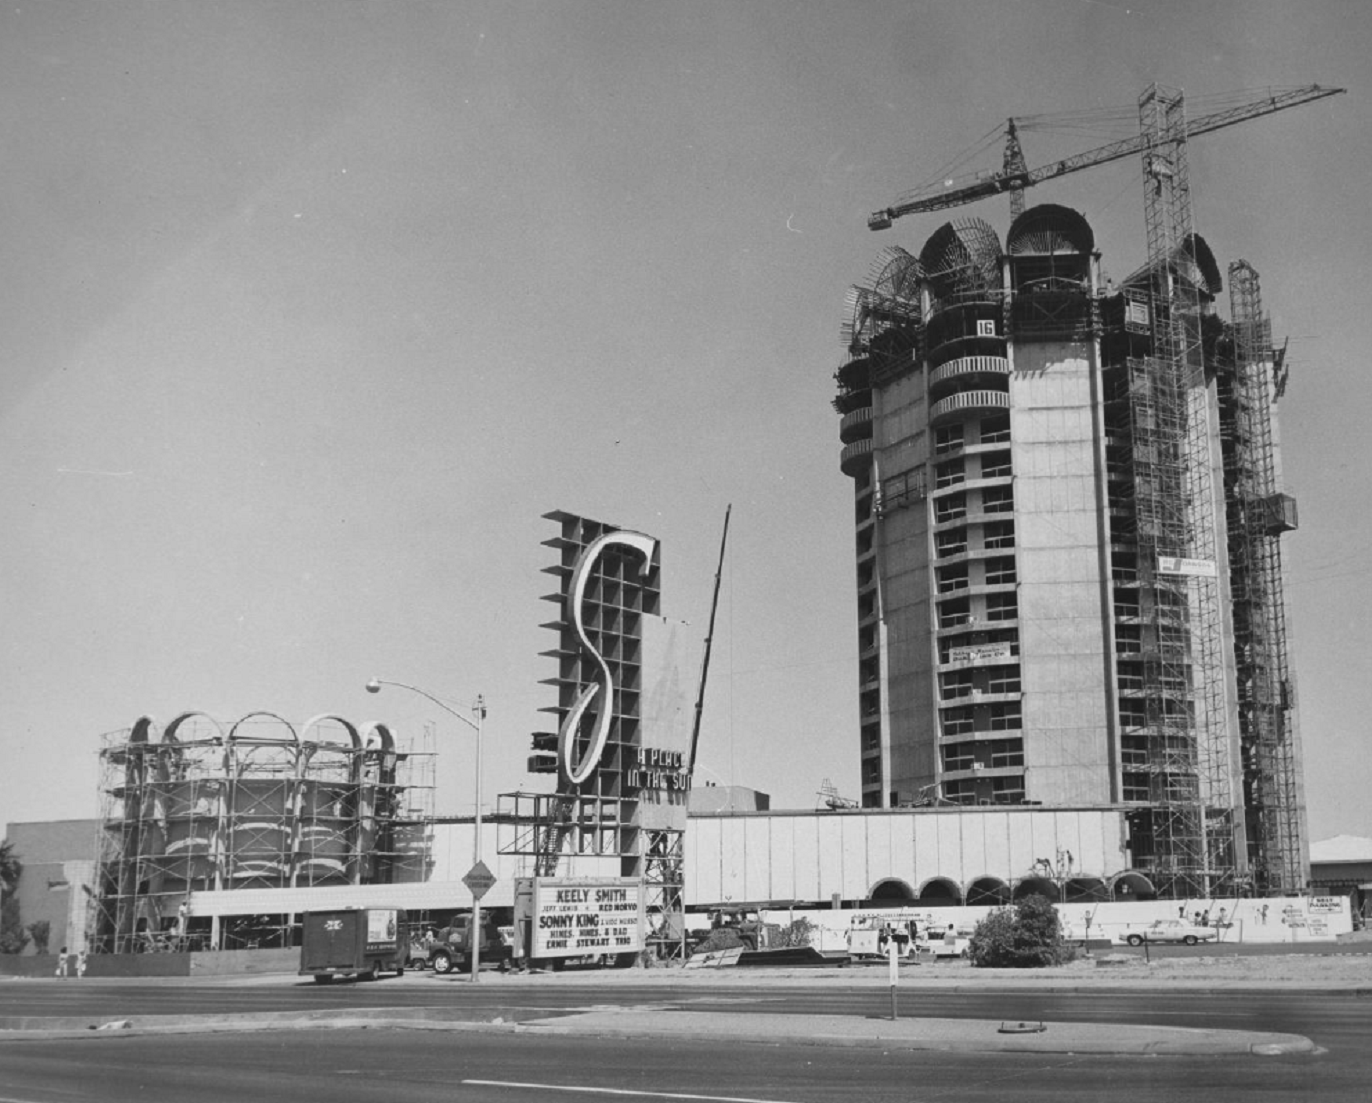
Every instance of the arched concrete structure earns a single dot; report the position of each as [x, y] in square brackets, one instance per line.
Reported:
[1130, 884]
[892, 889]
[940, 891]
[1085, 890]
[1037, 886]
[988, 890]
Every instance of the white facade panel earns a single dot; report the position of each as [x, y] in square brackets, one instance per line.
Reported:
[810, 857]
[829, 833]
[808, 883]
[757, 854]
[857, 865]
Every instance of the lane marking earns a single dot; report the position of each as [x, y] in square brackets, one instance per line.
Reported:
[615, 1091]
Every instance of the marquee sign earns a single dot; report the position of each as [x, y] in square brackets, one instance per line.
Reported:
[571, 918]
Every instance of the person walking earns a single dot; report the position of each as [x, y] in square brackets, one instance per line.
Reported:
[61, 963]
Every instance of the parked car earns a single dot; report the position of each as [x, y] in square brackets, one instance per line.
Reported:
[1171, 930]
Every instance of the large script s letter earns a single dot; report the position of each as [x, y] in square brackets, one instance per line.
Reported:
[576, 772]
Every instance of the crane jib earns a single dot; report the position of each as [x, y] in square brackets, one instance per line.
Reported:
[1000, 182]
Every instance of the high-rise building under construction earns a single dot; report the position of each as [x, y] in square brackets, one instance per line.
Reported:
[1067, 517]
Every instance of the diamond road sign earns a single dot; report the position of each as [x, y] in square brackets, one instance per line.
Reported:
[479, 879]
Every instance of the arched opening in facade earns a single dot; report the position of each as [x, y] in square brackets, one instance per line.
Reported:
[940, 892]
[1037, 886]
[892, 890]
[988, 892]
[1132, 885]
[1085, 890]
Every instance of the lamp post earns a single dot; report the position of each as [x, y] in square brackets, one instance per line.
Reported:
[479, 711]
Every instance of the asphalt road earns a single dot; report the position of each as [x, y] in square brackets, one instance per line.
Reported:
[339, 1066]
[397, 1066]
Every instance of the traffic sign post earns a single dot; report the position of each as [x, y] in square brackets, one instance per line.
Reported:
[480, 880]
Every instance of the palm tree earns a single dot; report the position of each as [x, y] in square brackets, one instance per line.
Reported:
[10, 867]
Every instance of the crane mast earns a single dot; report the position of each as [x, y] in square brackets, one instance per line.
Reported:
[1015, 176]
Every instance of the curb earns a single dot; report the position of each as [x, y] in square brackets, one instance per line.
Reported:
[941, 1035]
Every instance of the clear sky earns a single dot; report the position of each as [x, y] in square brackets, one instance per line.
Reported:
[311, 310]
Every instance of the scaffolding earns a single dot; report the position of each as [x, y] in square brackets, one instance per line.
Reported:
[1258, 513]
[1181, 733]
[198, 807]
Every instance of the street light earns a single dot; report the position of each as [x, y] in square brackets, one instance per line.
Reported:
[479, 711]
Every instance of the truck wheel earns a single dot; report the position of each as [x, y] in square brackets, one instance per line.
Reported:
[442, 963]
[1190, 940]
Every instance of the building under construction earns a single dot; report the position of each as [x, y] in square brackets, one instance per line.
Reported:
[200, 806]
[1068, 511]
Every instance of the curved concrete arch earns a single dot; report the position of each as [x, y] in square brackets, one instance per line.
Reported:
[260, 714]
[382, 732]
[239, 749]
[1050, 228]
[961, 258]
[1085, 890]
[988, 890]
[1130, 884]
[141, 727]
[1036, 886]
[891, 888]
[940, 889]
[354, 737]
[169, 735]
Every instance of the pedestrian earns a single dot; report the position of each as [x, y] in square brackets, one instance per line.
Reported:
[61, 963]
[1205, 918]
[81, 962]
[1263, 915]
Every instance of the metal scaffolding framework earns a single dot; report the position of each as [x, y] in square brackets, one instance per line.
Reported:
[197, 806]
[1258, 513]
[1184, 735]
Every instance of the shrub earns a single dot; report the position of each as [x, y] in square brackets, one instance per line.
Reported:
[12, 934]
[799, 932]
[40, 931]
[1025, 936]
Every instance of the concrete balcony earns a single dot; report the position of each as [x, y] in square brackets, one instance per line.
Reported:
[855, 456]
[856, 425]
[965, 367]
[968, 402]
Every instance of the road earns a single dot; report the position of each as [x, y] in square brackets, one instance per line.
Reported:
[342, 1065]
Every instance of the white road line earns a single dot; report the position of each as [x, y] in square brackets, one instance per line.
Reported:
[614, 1091]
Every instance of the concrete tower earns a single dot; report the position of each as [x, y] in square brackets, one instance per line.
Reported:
[1042, 512]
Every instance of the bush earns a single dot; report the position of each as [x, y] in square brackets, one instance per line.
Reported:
[40, 931]
[12, 933]
[799, 932]
[1025, 936]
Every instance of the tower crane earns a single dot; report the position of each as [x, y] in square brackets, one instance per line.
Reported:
[1014, 175]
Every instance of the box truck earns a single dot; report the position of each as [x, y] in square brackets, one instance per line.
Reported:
[358, 942]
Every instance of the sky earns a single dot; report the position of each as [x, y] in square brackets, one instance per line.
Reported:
[310, 312]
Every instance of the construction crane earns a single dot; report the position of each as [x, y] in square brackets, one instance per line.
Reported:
[1015, 175]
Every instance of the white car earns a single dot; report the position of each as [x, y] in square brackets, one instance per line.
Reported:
[1171, 930]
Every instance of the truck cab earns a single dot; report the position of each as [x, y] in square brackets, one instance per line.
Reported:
[451, 947]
